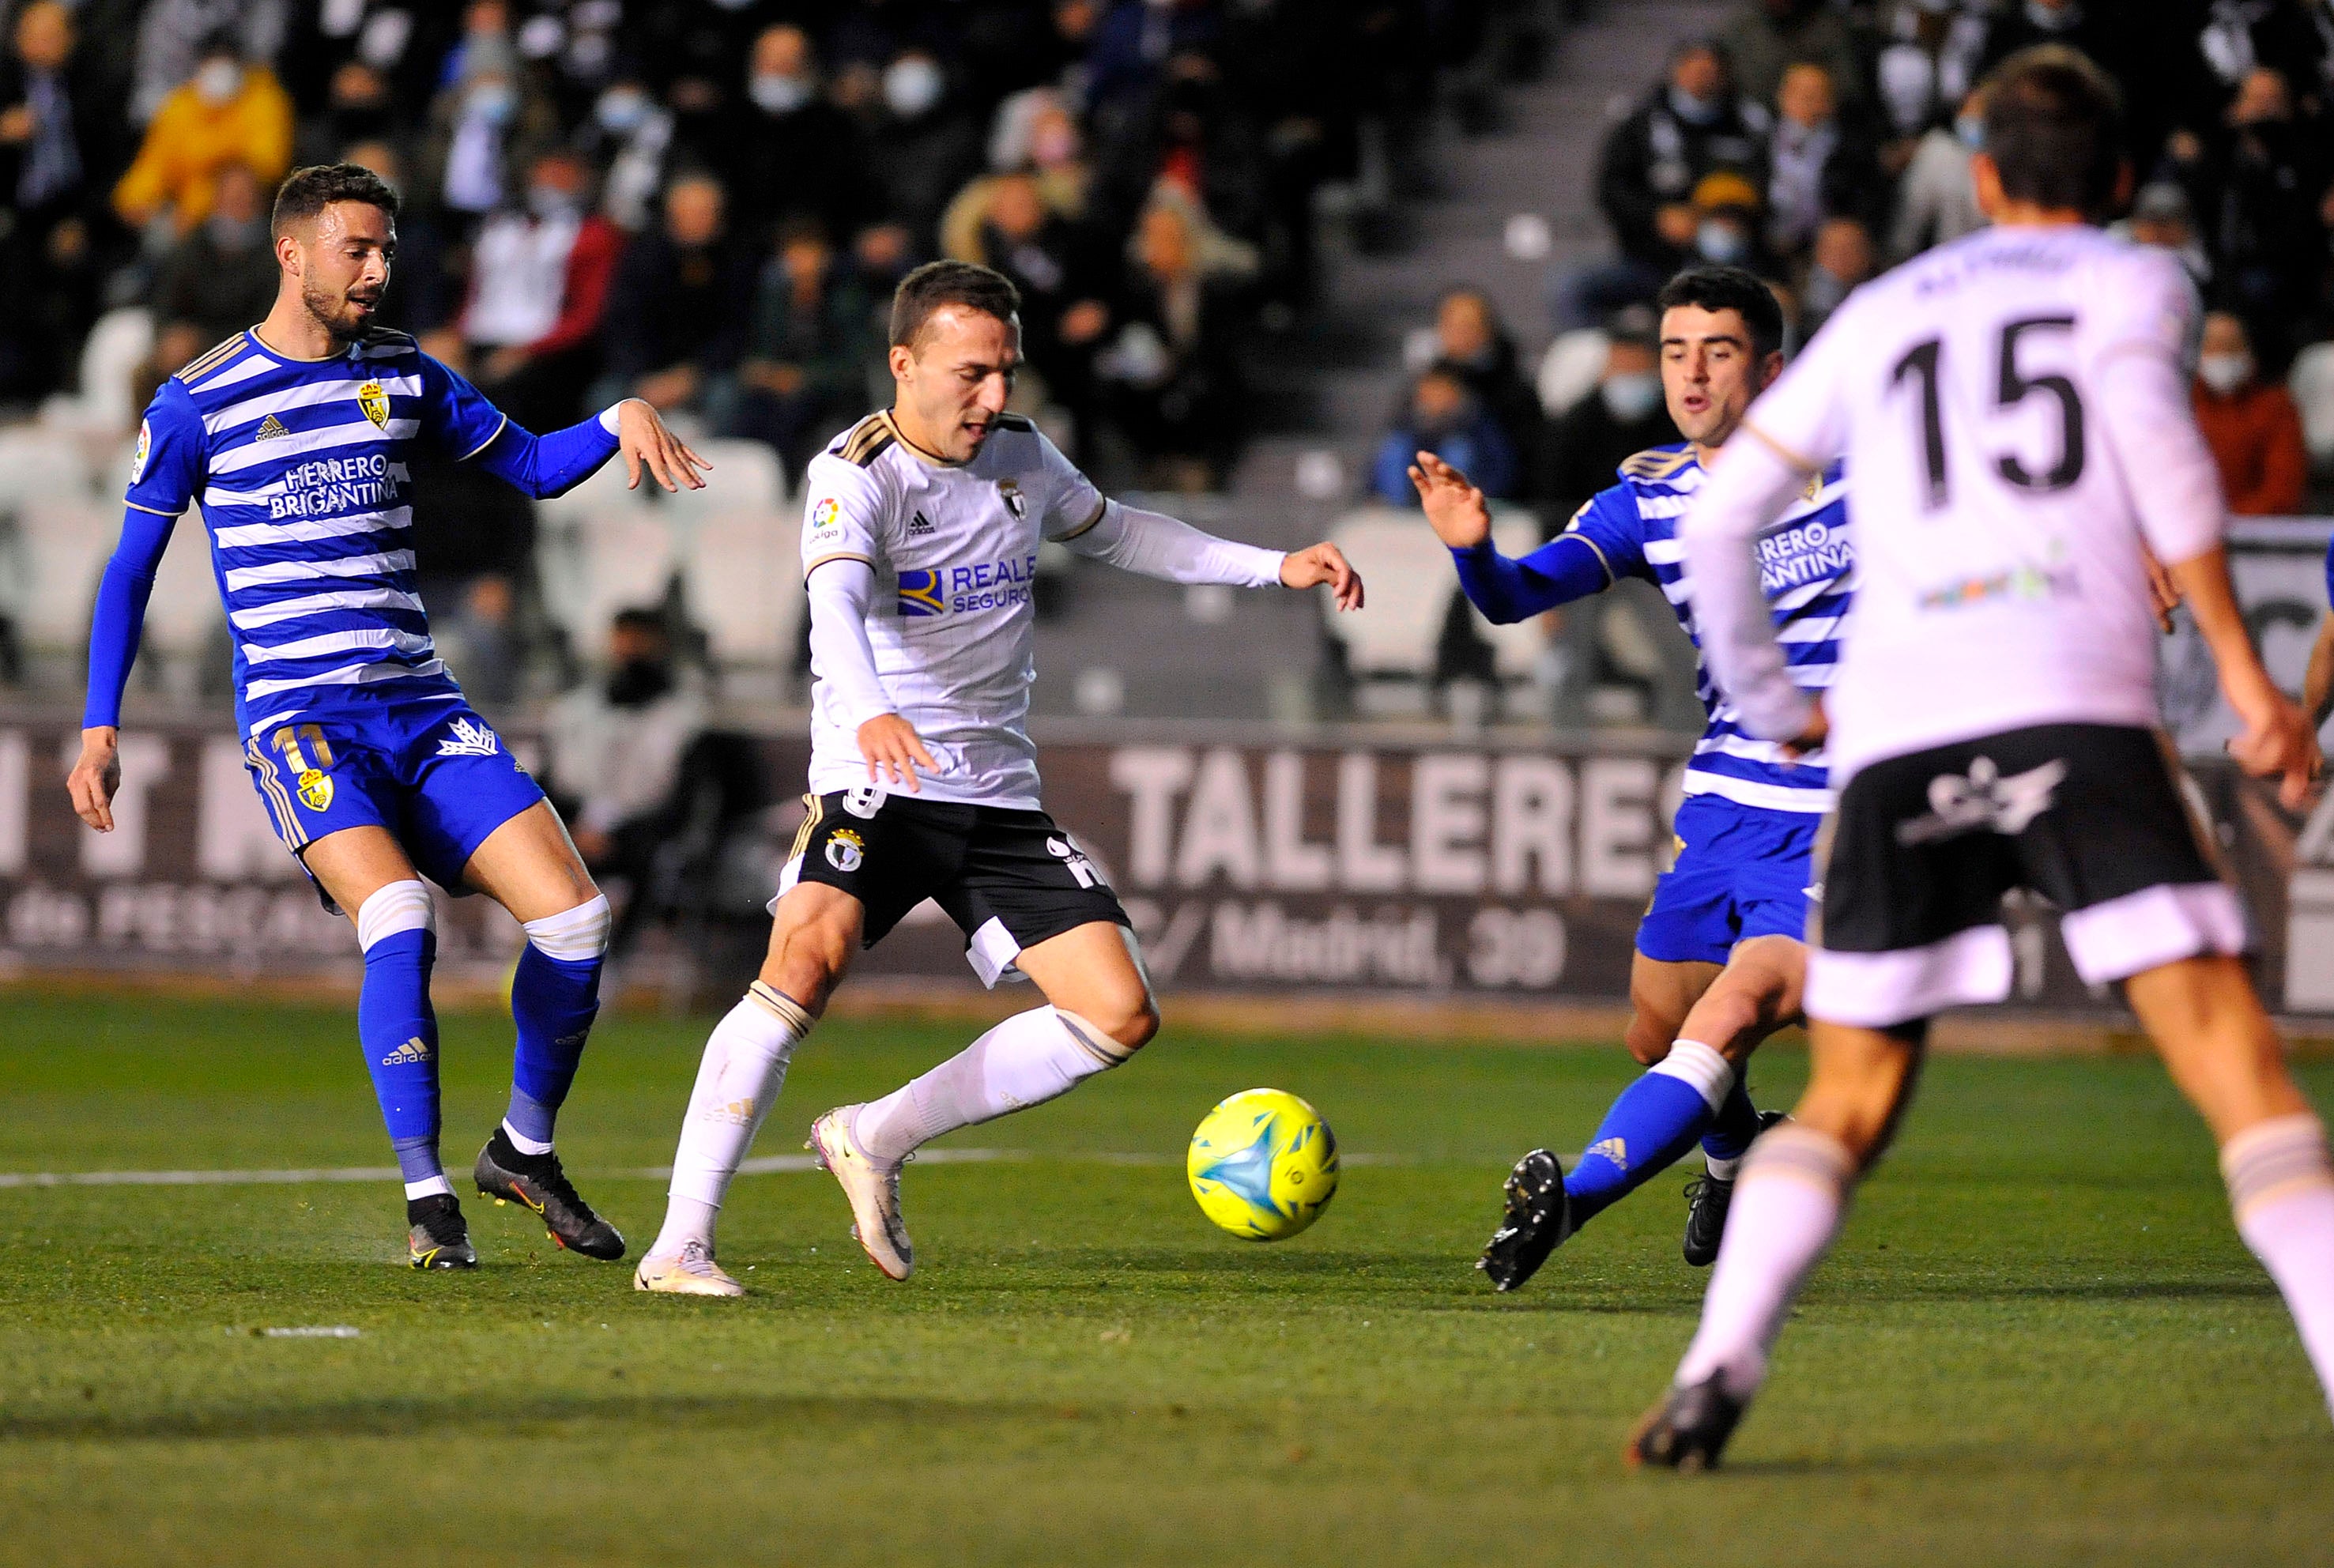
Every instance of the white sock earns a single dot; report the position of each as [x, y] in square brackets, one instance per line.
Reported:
[1030, 1058]
[1787, 1209]
[2281, 1186]
[743, 1067]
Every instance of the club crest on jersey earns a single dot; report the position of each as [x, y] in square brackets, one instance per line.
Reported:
[145, 450]
[470, 739]
[317, 790]
[920, 592]
[375, 403]
[845, 850]
[1015, 502]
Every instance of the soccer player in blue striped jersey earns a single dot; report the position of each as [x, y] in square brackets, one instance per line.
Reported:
[1720, 959]
[293, 438]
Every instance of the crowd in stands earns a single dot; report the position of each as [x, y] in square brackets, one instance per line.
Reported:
[705, 203]
[1819, 142]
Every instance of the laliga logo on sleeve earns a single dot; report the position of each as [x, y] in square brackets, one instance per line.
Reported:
[826, 516]
[145, 449]
[375, 403]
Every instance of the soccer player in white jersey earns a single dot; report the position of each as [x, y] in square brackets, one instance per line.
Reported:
[292, 436]
[2015, 410]
[919, 546]
[1719, 959]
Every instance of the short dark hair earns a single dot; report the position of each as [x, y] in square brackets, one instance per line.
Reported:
[938, 284]
[307, 192]
[1746, 293]
[2053, 124]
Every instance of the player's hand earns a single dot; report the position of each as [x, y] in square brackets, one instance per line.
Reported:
[889, 741]
[2276, 741]
[2165, 592]
[96, 777]
[1323, 563]
[1460, 515]
[645, 442]
[1810, 739]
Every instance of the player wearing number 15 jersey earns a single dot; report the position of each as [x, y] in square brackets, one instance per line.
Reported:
[291, 436]
[2014, 407]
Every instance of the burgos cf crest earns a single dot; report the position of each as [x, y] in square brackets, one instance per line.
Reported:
[375, 402]
[317, 790]
[1015, 502]
[844, 850]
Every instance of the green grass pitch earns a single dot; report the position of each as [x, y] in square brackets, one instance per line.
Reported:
[2039, 1340]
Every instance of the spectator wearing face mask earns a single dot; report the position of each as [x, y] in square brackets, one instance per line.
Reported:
[614, 749]
[1690, 127]
[1065, 282]
[1816, 171]
[221, 278]
[487, 126]
[793, 154]
[2160, 218]
[1728, 230]
[678, 311]
[1935, 201]
[1765, 38]
[808, 351]
[1840, 261]
[1035, 137]
[174, 36]
[2256, 186]
[539, 284]
[1441, 416]
[630, 134]
[1623, 415]
[923, 147]
[2252, 426]
[1472, 342]
[231, 112]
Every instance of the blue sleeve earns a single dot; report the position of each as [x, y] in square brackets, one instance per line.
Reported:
[166, 476]
[121, 612]
[551, 465]
[455, 414]
[1507, 590]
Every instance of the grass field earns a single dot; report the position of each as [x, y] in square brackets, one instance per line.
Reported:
[2039, 1340]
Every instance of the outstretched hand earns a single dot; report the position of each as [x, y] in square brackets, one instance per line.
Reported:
[645, 442]
[1323, 563]
[1461, 516]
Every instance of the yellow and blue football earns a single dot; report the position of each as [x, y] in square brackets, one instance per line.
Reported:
[1263, 1165]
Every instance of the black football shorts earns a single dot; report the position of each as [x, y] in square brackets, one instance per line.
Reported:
[1921, 848]
[1008, 879]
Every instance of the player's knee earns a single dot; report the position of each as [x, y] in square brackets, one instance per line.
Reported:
[1648, 1039]
[574, 936]
[397, 907]
[1130, 1019]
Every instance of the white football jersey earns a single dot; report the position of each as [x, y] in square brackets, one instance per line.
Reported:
[2015, 413]
[954, 550]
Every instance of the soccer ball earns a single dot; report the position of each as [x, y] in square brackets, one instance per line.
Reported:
[1263, 1165]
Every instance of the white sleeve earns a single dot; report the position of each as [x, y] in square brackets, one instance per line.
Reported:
[1744, 491]
[841, 657]
[842, 514]
[2141, 383]
[1153, 544]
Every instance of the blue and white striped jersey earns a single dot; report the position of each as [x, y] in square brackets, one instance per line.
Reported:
[299, 467]
[1808, 570]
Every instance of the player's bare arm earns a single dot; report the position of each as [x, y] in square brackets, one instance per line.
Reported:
[2318, 683]
[2277, 742]
[96, 777]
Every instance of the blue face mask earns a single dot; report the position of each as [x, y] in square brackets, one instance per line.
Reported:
[493, 103]
[1720, 243]
[1970, 130]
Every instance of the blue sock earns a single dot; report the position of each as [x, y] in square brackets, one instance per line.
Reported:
[1654, 1121]
[554, 999]
[1737, 1124]
[399, 1030]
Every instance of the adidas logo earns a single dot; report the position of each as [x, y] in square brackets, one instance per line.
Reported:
[271, 428]
[470, 739]
[411, 1053]
[919, 526]
[1613, 1149]
[737, 1114]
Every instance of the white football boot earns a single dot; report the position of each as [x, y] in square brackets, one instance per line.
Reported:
[689, 1272]
[871, 1186]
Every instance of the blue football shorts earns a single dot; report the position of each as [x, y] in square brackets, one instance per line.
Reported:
[434, 773]
[1741, 872]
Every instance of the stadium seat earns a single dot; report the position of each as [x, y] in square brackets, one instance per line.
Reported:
[744, 584]
[61, 543]
[183, 615]
[2312, 385]
[39, 464]
[1410, 580]
[745, 477]
[117, 345]
[1571, 369]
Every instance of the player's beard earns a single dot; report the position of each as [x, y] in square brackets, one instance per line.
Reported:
[335, 313]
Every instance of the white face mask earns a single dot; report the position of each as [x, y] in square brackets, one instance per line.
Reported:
[912, 86]
[775, 94]
[622, 110]
[1630, 395]
[1721, 242]
[2224, 374]
[1970, 130]
[218, 82]
[493, 102]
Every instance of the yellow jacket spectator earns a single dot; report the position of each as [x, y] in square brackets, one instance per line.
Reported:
[227, 112]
